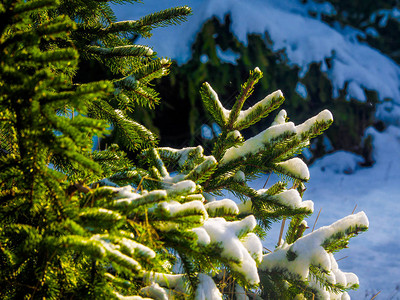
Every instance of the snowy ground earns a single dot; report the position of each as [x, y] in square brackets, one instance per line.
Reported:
[373, 255]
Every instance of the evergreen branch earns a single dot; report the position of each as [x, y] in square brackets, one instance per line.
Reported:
[213, 105]
[133, 134]
[33, 6]
[154, 69]
[259, 110]
[245, 92]
[142, 26]
[128, 50]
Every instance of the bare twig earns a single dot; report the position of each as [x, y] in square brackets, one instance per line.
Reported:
[267, 249]
[354, 209]
[267, 180]
[281, 233]
[316, 219]
[375, 295]
[341, 258]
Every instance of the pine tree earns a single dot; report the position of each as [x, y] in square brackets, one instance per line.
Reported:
[77, 223]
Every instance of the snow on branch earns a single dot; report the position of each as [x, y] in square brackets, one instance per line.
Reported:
[312, 253]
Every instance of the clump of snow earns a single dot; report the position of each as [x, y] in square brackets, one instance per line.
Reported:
[290, 198]
[206, 132]
[182, 154]
[263, 104]
[155, 291]
[324, 116]
[339, 162]
[181, 188]
[227, 206]
[227, 56]
[239, 176]
[175, 209]
[202, 236]
[280, 118]
[301, 90]
[308, 249]
[215, 98]
[234, 135]
[122, 297]
[133, 199]
[295, 167]
[206, 289]
[335, 276]
[112, 251]
[227, 235]
[257, 142]
[135, 248]
[254, 246]
[176, 282]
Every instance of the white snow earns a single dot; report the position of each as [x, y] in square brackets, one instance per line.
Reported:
[229, 207]
[257, 142]
[280, 118]
[227, 235]
[308, 250]
[214, 97]
[133, 247]
[174, 208]
[290, 198]
[296, 168]
[176, 282]
[207, 290]
[254, 246]
[324, 116]
[181, 188]
[155, 291]
[239, 176]
[262, 104]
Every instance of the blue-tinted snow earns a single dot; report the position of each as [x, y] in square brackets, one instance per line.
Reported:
[301, 90]
[227, 56]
